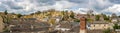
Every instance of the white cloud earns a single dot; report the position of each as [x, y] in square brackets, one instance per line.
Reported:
[63, 5]
[114, 9]
[59, 5]
[99, 3]
[81, 10]
[29, 6]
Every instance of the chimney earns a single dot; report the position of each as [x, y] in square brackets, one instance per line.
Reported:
[82, 25]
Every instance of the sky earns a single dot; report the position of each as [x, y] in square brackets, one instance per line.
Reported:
[78, 6]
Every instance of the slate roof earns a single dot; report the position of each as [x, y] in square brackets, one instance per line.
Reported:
[98, 31]
[73, 26]
[22, 29]
[24, 25]
[27, 28]
[94, 31]
[98, 22]
[16, 21]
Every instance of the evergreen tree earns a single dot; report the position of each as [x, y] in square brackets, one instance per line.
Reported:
[19, 15]
[105, 17]
[6, 12]
[107, 31]
[97, 17]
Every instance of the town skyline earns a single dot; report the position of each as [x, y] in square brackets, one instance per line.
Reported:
[30, 6]
[59, 16]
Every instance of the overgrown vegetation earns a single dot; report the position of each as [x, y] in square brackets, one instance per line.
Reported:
[77, 20]
[107, 31]
[72, 14]
[105, 17]
[6, 12]
[97, 17]
[19, 15]
[89, 20]
[116, 26]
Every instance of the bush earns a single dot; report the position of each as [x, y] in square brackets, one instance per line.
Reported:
[77, 20]
[89, 20]
[116, 26]
[97, 17]
[107, 31]
[19, 15]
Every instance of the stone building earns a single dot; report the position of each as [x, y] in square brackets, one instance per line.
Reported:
[93, 27]
[1, 24]
[101, 25]
[114, 18]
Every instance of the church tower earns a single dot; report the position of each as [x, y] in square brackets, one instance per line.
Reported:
[82, 25]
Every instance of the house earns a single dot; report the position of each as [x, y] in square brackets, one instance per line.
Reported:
[63, 26]
[94, 27]
[117, 30]
[99, 31]
[67, 27]
[114, 18]
[28, 25]
[99, 25]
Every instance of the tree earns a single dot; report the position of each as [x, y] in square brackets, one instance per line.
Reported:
[19, 15]
[52, 21]
[89, 20]
[107, 31]
[63, 13]
[38, 12]
[116, 26]
[105, 17]
[6, 12]
[119, 16]
[65, 16]
[77, 20]
[72, 14]
[97, 17]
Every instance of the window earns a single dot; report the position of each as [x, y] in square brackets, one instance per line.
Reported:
[89, 25]
[93, 25]
[104, 24]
